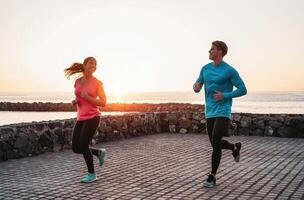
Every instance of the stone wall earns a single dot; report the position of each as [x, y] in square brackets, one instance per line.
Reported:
[110, 107]
[27, 139]
[278, 125]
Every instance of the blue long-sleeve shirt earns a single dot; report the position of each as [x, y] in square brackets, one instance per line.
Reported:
[220, 78]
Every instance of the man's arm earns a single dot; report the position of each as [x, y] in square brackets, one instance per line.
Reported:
[199, 82]
[237, 81]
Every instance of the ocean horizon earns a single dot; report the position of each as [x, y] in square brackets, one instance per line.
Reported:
[253, 102]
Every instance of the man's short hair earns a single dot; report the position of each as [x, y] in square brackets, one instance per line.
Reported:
[220, 45]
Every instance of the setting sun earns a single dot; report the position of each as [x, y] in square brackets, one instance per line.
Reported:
[117, 92]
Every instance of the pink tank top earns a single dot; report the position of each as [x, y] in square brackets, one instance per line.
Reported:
[86, 110]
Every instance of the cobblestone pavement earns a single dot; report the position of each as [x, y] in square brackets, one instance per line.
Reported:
[162, 166]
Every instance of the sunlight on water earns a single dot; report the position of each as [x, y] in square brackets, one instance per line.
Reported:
[259, 102]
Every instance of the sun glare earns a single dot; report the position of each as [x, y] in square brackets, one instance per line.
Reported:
[117, 93]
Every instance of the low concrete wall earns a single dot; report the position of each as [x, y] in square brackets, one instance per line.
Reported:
[27, 139]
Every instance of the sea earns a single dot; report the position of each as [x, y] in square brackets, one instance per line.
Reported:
[253, 102]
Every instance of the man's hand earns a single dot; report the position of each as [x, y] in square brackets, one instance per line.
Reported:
[197, 87]
[218, 96]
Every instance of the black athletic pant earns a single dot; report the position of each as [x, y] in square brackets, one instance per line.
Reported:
[216, 128]
[82, 135]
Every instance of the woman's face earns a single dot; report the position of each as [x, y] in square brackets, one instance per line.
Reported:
[90, 67]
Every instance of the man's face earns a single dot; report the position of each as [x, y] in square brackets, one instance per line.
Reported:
[214, 53]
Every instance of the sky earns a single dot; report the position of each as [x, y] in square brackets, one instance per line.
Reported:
[149, 45]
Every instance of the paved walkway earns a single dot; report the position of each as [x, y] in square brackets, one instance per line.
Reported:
[162, 166]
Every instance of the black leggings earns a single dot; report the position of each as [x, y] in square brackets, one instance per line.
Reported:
[82, 135]
[216, 128]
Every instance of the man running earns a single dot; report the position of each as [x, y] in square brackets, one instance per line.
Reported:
[219, 79]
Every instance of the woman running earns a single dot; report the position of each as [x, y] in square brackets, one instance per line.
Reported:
[89, 95]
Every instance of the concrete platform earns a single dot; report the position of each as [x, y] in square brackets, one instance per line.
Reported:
[162, 166]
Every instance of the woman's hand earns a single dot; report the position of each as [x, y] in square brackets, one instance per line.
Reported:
[84, 95]
[74, 102]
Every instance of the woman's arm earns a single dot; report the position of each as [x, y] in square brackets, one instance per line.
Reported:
[102, 99]
[102, 95]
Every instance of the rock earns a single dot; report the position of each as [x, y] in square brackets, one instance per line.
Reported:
[108, 129]
[296, 121]
[163, 122]
[117, 124]
[198, 116]
[4, 146]
[40, 127]
[68, 124]
[158, 128]
[64, 138]
[287, 132]
[124, 127]
[55, 124]
[24, 151]
[172, 128]
[195, 128]
[172, 118]
[33, 136]
[57, 131]
[268, 131]
[236, 117]
[275, 124]
[12, 154]
[3, 156]
[300, 130]
[102, 126]
[260, 124]
[183, 130]
[46, 140]
[203, 121]
[244, 131]
[258, 132]
[184, 123]
[93, 142]
[246, 122]
[6, 133]
[21, 141]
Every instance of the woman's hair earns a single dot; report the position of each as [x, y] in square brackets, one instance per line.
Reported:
[76, 68]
